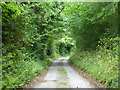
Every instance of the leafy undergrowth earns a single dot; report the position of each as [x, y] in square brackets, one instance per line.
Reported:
[17, 73]
[101, 64]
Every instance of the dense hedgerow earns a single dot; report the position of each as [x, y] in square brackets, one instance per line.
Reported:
[20, 68]
[94, 27]
[27, 39]
[102, 63]
[33, 33]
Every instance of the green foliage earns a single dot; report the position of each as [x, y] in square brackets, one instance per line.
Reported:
[36, 32]
[90, 21]
[101, 63]
[94, 27]
[28, 40]
[64, 49]
[21, 73]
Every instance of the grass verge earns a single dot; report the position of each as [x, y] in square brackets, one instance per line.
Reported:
[22, 72]
[102, 64]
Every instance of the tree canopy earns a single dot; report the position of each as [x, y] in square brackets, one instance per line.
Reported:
[34, 33]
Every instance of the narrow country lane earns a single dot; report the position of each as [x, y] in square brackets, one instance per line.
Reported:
[59, 44]
[61, 75]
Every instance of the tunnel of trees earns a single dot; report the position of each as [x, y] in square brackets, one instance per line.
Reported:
[35, 33]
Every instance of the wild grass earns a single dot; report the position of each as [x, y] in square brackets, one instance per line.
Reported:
[101, 64]
[63, 83]
[63, 73]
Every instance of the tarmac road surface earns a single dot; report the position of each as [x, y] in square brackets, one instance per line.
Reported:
[61, 75]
